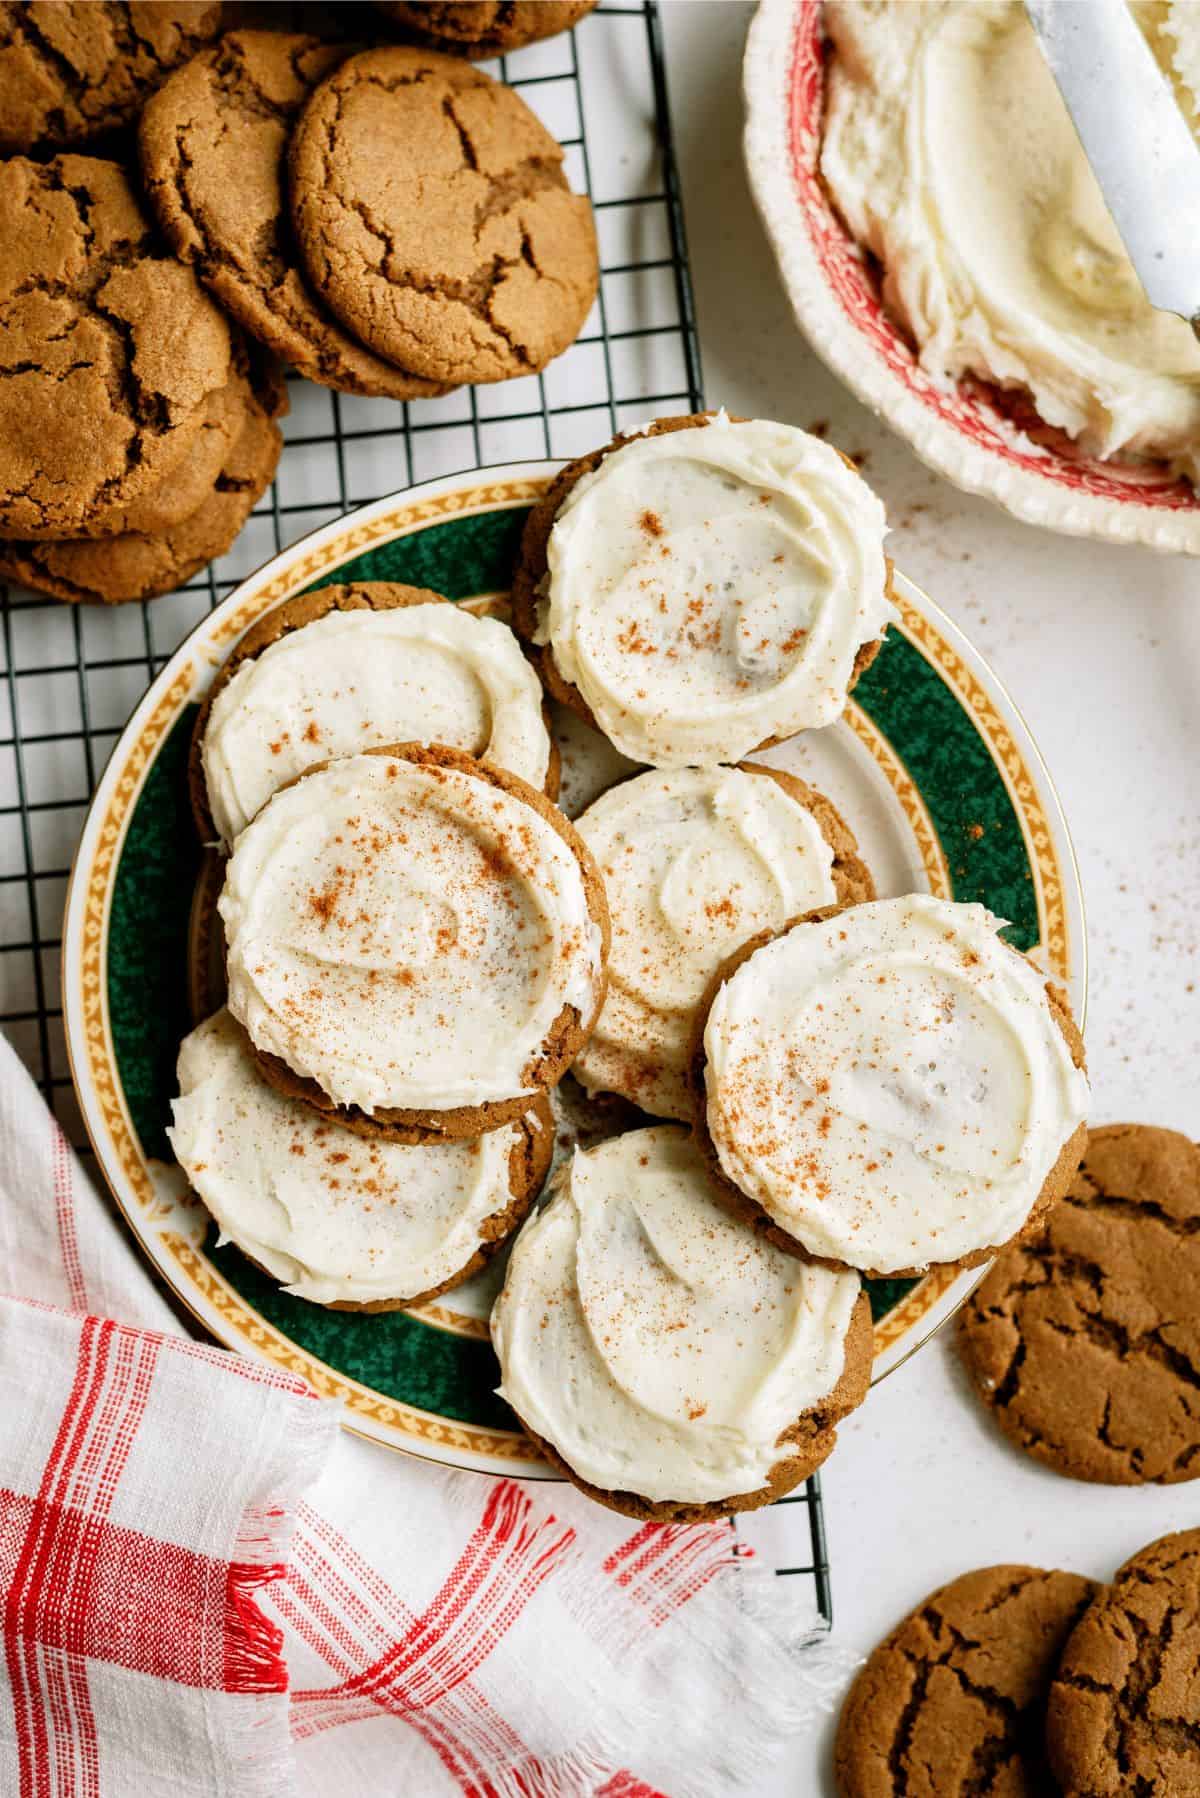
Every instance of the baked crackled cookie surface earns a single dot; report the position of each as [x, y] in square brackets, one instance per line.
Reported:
[213, 143]
[108, 348]
[890, 1086]
[705, 587]
[434, 217]
[1083, 1341]
[479, 28]
[355, 667]
[339, 1220]
[951, 1704]
[70, 69]
[694, 861]
[140, 564]
[415, 940]
[1123, 1716]
[670, 1362]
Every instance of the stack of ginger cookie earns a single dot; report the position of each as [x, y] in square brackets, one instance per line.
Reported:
[184, 208]
[802, 1083]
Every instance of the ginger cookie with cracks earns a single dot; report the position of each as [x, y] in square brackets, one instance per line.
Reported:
[483, 28]
[435, 220]
[953, 1699]
[213, 145]
[71, 69]
[109, 348]
[1122, 1716]
[1082, 1340]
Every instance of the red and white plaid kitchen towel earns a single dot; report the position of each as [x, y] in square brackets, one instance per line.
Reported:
[211, 1589]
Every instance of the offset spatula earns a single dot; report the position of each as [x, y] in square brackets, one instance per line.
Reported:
[1137, 140]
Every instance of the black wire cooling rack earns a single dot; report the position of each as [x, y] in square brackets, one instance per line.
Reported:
[72, 675]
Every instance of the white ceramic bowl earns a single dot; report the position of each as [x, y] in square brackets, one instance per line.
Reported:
[959, 430]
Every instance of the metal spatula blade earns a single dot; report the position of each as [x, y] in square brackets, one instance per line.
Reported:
[1139, 144]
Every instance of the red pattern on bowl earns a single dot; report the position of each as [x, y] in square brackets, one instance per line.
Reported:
[968, 432]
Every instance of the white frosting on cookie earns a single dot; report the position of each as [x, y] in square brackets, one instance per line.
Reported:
[694, 861]
[708, 589]
[657, 1343]
[891, 1085]
[333, 1215]
[430, 673]
[952, 157]
[407, 935]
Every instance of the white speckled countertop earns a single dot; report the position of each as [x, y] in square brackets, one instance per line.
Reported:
[1100, 647]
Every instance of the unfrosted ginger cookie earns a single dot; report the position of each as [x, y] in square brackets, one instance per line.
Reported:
[705, 587]
[416, 941]
[695, 860]
[951, 1704]
[670, 1361]
[337, 1219]
[889, 1086]
[213, 144]
[479, 28]
[1083, 1341]
[435, 220]
[355, 667]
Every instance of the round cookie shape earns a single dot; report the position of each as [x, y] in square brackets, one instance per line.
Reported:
[480, 28]
[70, 69]
[108, 348]
[415, 940]
[140, 565]
[1123, 1715]
[694, 861]
[951, 1702]
[352, 1224]
[356, 667]
[434, 218]
[705, 587]
[1083, 1340]
[889, 1086]
[672, 1363]
[224, 416]
[213, 143]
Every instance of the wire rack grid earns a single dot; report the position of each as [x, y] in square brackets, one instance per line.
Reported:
[70, 676]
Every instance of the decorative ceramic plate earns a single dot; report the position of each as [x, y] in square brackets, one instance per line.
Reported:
[967, 432]
[932, 767]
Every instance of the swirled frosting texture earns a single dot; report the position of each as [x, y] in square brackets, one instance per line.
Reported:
[332, 1215]
[362, 679]
[891, 1085]
[708, 589]
[658, 1344]
[694, 861]
[406, 934]
[951, 156]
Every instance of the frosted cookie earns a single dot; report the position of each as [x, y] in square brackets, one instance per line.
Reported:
[705, 588]
[415, 940]
[695, 861]
[358, 667]
[890, 1086]
[672, 1362]
[337, 1219]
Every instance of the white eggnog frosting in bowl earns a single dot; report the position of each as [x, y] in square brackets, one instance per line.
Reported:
[411, 934]
[695, 861]
[950, 154]
[337, 1218]
[709, 589]
[656, 1343]
[891, 1086]
[363, 678]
